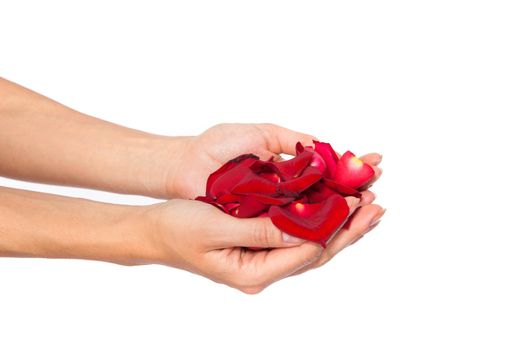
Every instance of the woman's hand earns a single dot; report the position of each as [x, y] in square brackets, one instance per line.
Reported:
[201, 155]
[201, 239]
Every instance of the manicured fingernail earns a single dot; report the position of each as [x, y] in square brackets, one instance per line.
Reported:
[378, 217]
[291, 239]
[353, 202]
[370, 228]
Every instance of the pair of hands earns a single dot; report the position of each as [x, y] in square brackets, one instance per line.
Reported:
[200, 238]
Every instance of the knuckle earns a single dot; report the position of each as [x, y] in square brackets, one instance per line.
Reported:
[313, 258]
[268, 125]
[263, 235]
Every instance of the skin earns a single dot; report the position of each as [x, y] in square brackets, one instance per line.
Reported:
[44, 141]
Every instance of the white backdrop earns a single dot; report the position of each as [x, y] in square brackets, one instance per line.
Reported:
[437, 87]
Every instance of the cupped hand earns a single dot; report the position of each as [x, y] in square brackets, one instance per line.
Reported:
[216, 241]
[205, 153]
[199, 238]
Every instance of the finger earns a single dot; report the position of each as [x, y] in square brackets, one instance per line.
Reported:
[256, 233]
[283, 140]
[372, 158]
[364, 219]
[377, 174]
[367, 197]
[277, 264]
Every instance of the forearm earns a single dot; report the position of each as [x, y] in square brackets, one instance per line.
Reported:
[44, 141]
[41, 225]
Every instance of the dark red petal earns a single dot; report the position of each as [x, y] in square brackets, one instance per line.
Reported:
[228, 198]
[299, 184]
[319, 192]
[299, 148]
[267, 170]
[249, 207]
[223, 179]
[314, 222]
[291, 168]
[265, 199]
[329, 156]
[352, 171]
[252, 183]
[342, 189]
[285, 170]
[212, 202]
[273, 177]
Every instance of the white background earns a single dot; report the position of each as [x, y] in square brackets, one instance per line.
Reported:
[436, 86]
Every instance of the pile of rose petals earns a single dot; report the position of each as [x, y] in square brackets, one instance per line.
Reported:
[303, 196]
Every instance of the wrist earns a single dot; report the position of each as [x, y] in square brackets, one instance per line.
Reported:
[162, 167]
[133, 236]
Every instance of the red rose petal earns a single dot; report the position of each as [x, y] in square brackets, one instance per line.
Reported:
[228, 198]
[273, 177]
[314, 222]
[231, 207]
[252, 183]
[264, 199]
[212, 202]
[352, 171]
[317, 161]
[299, 148]
[249, 207]
[328, 155]
[227, 176]
[342, 189]
[319, 192]
[293, 187]
[291, 168]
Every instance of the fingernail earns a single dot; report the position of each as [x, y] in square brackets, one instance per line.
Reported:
[291, 239]
[378, 217]
[353, 202]
[371, 227]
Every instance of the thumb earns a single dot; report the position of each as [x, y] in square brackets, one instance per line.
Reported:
[259, 233]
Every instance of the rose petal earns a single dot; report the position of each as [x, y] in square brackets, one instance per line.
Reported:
[212, 202]
[227, 176]
[265, 199]
[342, 189]
[299, 148]
[228, 198]
[314, 222]
[291, 168]
[252, 183]
[319, 192]
[299, 184]
[317, 161]
[329, 157]
[352, 171]
[249, 207]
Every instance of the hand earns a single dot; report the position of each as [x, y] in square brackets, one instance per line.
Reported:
[201, 239]
[203, 154]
